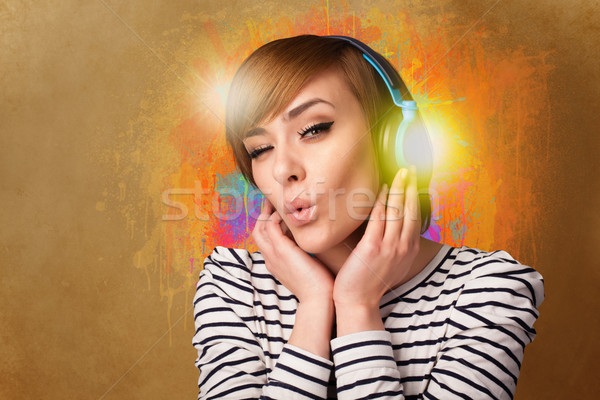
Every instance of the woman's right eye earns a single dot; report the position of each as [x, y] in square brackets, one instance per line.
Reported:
[257, 152]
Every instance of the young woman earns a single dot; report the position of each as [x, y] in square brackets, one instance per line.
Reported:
[345, 299]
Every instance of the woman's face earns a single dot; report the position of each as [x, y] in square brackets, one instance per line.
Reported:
[332, 167]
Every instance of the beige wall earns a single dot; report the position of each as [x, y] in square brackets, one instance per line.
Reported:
[84, 315]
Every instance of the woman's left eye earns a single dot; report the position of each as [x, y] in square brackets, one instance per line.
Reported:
[315, 129]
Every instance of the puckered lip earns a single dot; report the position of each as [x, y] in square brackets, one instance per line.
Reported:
[296, 204]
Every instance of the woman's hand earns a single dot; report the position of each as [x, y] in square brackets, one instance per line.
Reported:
[307, 278]
[383, 257]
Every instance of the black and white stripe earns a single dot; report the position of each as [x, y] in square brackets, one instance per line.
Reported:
[456, 330]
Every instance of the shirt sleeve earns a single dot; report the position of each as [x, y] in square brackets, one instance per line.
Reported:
[365, 365]
[488, 329]
[231, 361]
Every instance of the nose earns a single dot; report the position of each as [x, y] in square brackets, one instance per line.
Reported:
[288, 167]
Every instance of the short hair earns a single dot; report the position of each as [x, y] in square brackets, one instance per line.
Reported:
[271, 77]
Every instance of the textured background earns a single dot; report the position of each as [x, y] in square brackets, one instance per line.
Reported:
[107, 106]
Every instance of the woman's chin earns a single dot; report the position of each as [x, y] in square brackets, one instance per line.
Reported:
[309, 244]
[319, 241]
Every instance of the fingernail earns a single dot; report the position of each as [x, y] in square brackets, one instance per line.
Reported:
[413, 169]
[384, 188]
[404, 172]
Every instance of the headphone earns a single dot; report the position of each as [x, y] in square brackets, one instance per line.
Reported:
[402, 139]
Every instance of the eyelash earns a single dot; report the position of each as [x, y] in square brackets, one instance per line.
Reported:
[323, 126]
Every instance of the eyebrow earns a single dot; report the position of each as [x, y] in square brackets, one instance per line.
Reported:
[290, 115]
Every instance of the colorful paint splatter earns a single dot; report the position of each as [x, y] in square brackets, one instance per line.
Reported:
[478, 110]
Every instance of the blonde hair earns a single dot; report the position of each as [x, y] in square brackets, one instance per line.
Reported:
[271, 77]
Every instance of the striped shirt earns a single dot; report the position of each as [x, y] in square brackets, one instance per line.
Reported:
[458, 329]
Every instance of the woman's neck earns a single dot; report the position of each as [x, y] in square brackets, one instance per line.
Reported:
[335, 257]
